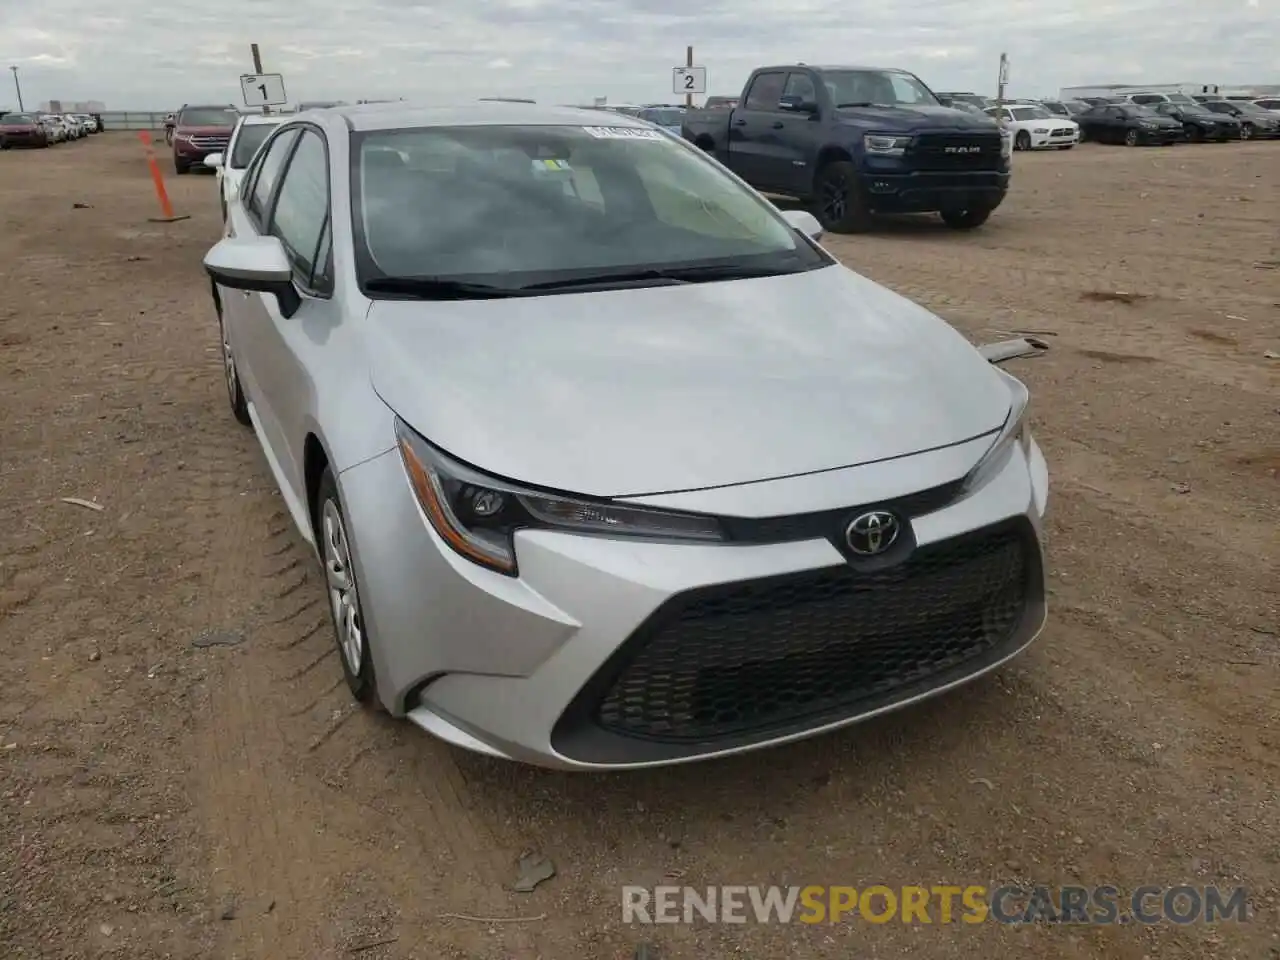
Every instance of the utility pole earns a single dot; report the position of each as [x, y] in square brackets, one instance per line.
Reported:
[688, 62]
[17, 86]
[257, 70]
[1003, 80]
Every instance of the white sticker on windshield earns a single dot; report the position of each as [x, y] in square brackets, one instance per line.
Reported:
[622, 133]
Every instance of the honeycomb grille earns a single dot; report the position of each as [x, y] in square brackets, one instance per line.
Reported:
[771, 653]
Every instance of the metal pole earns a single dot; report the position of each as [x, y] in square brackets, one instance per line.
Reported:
[1004, 72]
[688, 61]
[257, 69]
[17, 86]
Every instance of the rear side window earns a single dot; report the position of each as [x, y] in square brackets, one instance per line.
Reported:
[766, 91]
[301, 215]
[267, 174]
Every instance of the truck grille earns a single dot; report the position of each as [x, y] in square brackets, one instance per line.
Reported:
[955, 151]
[759, 656]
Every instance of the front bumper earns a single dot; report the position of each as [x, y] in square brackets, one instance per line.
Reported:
[1043, 141]
[610, 654]
[929, 191]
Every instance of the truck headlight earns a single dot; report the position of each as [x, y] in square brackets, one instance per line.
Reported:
[884, 146]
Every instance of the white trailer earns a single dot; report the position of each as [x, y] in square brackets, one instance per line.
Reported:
[1126, 89]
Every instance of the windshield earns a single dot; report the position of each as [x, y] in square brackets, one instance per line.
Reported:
[876, 87]
[250, 138]
[1031, 113]
[1248, 107]
[514, 205]
[208, 117]
[1137, 110]
[663, 118]
[17, 119]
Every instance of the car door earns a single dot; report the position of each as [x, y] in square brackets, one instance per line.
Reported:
[796, 137]
[753, 139]
[244, 312]
[1115, 124]
[300, 220]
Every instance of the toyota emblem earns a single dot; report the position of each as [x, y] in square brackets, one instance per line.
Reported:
[872, 533]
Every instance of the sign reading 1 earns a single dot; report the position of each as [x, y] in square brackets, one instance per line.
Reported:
[263, 90]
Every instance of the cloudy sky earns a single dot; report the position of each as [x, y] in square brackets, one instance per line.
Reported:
[142, 54]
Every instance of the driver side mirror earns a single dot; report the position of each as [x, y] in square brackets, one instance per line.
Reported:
[805, 222]
[796, 104]
[254, 264]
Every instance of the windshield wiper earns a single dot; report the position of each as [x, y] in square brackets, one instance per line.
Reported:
[669, 275]
[438, 288]
[863, 103]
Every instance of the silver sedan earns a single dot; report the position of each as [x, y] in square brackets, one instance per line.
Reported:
[608, 462]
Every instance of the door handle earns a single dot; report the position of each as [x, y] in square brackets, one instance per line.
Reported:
[739, 123]
[778, 124]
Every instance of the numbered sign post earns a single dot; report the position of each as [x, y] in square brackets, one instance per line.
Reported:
[689, 80]
[263, 90]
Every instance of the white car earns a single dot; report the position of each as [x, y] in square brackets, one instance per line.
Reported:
[249, 134]
[1035, 128]
[87, 123]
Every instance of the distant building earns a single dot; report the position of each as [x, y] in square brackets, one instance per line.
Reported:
[73, 106]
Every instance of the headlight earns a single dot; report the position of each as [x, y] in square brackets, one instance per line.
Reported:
[885, 146]
[477, 516]
[1014, 433]
[1006, 144]
[1040, 130]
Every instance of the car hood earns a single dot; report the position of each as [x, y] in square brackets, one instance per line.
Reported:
[20, 127]
[663, 389]
[921, 117]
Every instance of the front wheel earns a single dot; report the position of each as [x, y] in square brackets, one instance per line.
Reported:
[235, 392]
[1131, 138]
[1022, 141]
[1246, 132]
[965, 219]
[838, 202]
[344, 596]
[180, 168]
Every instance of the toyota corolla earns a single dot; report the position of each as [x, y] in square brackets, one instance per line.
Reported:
[619, 467]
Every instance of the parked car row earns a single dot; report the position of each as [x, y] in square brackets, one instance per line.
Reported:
[45, 129]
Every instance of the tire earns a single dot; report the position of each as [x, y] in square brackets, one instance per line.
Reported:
[838, 202]
[180, 168]
[1193, 133]
[965, 219]
[1131, 138]
[235, 392]
[334, 542]
[1022, 141]
[1246, 132]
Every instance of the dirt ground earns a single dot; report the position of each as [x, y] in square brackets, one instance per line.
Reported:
[162, 798]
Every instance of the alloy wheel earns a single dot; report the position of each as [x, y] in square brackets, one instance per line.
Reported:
[228, 362]
[344, 601]
[834, 198]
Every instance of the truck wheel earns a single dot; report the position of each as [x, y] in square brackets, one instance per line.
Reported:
[965, 219]
[837, 199]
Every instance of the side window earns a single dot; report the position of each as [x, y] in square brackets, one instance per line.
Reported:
[905, 90]
[765, 92]
[301, 215]
[800, 85]
[268, 172]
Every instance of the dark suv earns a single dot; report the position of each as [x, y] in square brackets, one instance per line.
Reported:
[199, 131]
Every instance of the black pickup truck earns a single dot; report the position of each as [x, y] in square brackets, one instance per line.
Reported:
[853, 141]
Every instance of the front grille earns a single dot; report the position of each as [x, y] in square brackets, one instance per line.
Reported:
[941, 151]
[765, 655]
[1061, 132]
[210, 143]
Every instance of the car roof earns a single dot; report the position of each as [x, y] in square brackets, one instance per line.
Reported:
[401, 114]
